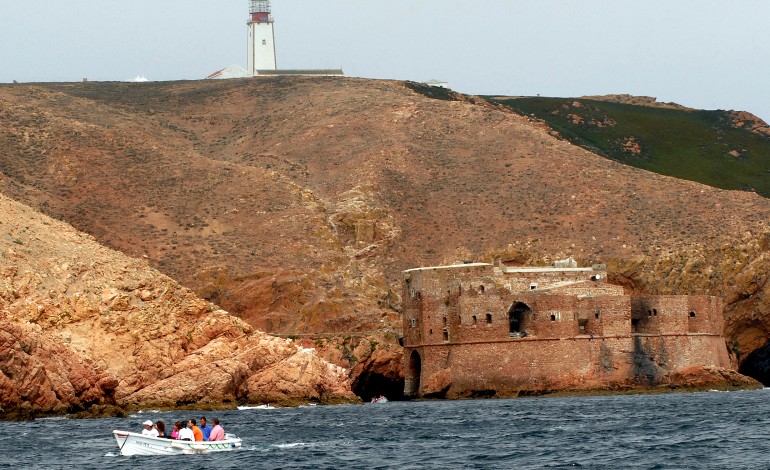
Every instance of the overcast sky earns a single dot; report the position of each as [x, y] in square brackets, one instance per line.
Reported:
[701, 53]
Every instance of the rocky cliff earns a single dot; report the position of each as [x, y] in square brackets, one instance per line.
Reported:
[295, 203]
[83, 325]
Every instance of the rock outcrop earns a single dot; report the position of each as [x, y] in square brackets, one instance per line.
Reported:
[39, 374]
[83, 325]
[745, 120]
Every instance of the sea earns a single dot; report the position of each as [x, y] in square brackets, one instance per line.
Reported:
[705, 430]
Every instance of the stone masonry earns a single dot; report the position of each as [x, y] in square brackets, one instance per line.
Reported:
[480, 329]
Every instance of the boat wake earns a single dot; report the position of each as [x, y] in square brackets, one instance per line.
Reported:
[291, 445]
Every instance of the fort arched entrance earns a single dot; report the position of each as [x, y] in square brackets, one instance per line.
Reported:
[412, 378]
[517, 317]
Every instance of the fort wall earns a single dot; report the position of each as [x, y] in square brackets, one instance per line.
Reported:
[481, 329]
[538, 365]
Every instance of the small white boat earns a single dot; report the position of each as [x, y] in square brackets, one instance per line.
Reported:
[380, 399]
[132, 443]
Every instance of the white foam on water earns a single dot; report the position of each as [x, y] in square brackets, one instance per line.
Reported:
[258, 407]
[291, 445]
[140, 412]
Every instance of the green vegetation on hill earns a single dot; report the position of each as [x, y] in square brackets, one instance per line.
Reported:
[702, 146]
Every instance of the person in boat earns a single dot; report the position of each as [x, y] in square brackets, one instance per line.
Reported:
[196, 430]
[161, 427]
[217, 433]
[205, 429]
[149, 430]
[186, 433]
[177, 426]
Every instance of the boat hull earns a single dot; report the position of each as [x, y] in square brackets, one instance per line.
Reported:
[131, 443]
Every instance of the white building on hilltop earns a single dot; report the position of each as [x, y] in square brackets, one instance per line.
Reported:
[261, 59]
[233, 71]
[261, 37]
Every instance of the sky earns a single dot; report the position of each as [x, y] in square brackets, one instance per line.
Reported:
[705, 54]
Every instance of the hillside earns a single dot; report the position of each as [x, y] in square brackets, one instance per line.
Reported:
[295, 203]
[724, 149]
[84, 328]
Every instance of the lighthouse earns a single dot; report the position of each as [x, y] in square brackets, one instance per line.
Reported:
[261, 37]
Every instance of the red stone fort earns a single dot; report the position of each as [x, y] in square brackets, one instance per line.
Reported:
[481, 329]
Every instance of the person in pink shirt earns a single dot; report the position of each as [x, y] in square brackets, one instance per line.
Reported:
[175, 433]
[217, 433]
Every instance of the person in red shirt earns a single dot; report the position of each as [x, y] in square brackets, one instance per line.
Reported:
[196, 430]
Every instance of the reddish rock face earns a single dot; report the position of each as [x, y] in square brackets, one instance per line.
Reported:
[38, 374]
[83, 325]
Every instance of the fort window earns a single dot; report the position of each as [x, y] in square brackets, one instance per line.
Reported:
[516, 317]
[634, 323]
[692, 314]
[446, 336]
[413, 322]
[655, 312]
[474, 319]
[489, 318]
[649, 313]
[582, 325]
[431, 331]
[481, 289]
[533, 286]
[596, 315]
[553, 317]
[445, 321]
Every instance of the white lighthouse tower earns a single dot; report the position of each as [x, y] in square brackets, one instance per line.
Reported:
[261, 37]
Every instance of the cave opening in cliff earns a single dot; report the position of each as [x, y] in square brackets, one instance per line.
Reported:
[371, 384]
[375, 382]
[757, 365]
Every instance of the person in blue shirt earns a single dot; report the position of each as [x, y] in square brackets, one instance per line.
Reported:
[205, 428]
